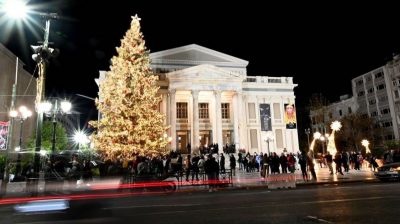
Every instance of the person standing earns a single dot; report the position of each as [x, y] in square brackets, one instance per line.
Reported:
[303, 165]
[232, 163]
[329, 160]
[222, 163]
[187, 166]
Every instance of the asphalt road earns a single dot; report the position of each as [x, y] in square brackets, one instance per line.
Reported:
[349, 203]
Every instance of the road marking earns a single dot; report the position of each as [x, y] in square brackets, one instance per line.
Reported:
[150, 206]
[91, 220]
[341, 200]
[317, 219]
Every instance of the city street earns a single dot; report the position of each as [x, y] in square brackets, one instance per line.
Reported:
[348, 203]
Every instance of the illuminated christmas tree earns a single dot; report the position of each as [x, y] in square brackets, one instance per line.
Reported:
[131, 124]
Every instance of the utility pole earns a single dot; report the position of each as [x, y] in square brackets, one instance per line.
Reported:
[42, 55]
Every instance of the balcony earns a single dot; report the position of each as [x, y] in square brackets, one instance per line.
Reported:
[266, 79]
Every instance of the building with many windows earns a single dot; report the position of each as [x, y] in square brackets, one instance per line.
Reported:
[323, 117]
[208, 98]
[377, 95]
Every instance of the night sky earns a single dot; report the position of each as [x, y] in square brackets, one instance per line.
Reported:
[322, 46]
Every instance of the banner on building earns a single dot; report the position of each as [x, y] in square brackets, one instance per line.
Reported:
[265, 116]
[290, 116]
[3, 135]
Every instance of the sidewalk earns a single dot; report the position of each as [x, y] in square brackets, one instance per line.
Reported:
[241, 180]
[244, 179]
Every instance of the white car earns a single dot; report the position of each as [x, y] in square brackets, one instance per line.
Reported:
[390, 171]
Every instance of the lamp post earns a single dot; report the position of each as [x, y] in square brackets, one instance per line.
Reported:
[308, 132]
[52, 111]
[22, 114]
[269, 138]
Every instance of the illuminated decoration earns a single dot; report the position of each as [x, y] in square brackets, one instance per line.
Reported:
[131, 124]
[316, 136]
[365, 143]
[335, 126]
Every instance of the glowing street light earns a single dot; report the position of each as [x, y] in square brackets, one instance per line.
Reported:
[15, 9]
[81, 138]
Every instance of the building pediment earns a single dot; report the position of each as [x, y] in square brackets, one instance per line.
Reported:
[193, 55]
[203, 73]
[205, 77]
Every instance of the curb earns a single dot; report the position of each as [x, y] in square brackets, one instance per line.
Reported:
[307, 184]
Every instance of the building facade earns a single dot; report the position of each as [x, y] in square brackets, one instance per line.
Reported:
[323, 117]
[208, 98]
[25, 95]
[377, 94]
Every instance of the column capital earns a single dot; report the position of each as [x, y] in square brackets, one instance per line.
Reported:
[172, 91]
[217, 92]
[195, 93]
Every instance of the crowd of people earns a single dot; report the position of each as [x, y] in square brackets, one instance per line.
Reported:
[209, 166]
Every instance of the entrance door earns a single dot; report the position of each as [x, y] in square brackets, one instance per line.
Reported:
[182, 141]
[227, 136]
[205, 138]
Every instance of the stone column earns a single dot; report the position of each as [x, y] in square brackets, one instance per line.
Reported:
[195, 123]
[218, 113]
[172, 112]
[236, 115]
[242, 121]
[164, 109]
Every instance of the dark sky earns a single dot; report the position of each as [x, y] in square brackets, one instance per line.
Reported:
[322, 46]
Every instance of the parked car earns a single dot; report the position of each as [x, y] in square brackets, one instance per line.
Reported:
[390, 171]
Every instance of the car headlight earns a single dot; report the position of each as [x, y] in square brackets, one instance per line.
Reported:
[393, 169]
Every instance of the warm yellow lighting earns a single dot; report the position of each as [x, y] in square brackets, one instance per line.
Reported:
[365, 143]
[336, 125]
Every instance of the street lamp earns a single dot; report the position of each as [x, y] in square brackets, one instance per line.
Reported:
[269, 138]
[15, 9]
[81, 138]
[22, 114]
[52, 111]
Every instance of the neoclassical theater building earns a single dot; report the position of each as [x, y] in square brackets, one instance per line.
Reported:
[208, 98]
